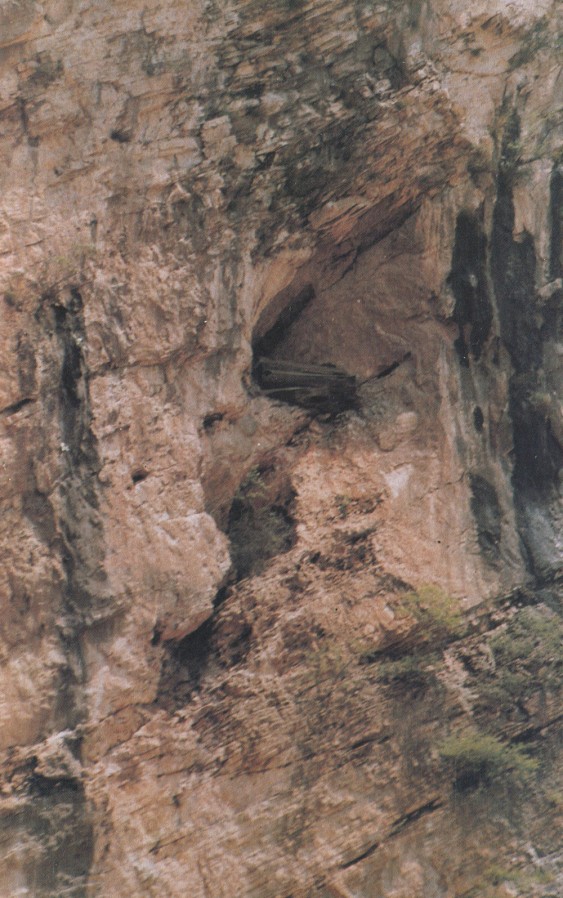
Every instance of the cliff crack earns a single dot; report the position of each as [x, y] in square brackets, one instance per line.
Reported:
[15, 407]
[361, 857]
[412, 816]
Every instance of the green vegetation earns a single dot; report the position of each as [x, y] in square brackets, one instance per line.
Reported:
[326, 663]
[477, 759]
[436, 619]
[437, 614]
[350, 505]
[496, 875]
[555, 800]
[511, 146]
[528, 657]
[253, 487]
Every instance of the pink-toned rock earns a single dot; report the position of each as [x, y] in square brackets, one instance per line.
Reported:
[230, 646]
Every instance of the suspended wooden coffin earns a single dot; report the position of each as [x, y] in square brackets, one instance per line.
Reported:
[321, 388]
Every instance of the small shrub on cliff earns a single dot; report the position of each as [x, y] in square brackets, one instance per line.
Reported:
[477, 758]
[496, 875]
[437, 614]
[253, 488]
[528, 657]
[532, 636]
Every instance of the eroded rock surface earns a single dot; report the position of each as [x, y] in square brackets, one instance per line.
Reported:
[238, 636]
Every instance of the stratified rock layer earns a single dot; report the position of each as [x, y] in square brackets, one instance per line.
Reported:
[230, 651]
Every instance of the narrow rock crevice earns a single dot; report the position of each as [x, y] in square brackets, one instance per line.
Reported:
[488, 517]
[412, 816]
[53, 823]
[57, 816]
[556, 222]
[367, 852]
[473, 311]
[15, 407]
[80, 524]
[524, 328]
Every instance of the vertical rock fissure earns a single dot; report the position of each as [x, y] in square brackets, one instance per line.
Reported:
[57, 816]
[80, 523]
[57, 813]
[468, 280]
[537, 455]
[556, 215]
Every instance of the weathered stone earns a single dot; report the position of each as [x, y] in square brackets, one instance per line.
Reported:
[229, 642]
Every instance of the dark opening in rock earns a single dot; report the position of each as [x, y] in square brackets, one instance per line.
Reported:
[212, 419]
[273, 327]
[478, 419]
[192, 651]
[184, 665]
[468, 281]
[487, 513]
[120, 136]
[260, 525]
[319, 387]
[139, 475]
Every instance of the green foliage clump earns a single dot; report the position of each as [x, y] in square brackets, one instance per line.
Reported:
[532, 636]
[542, 402]
[437, 614]
[555, 800]
[253, 487]
[528, 657]
[413, 662]
[495, 877]
[477, 758]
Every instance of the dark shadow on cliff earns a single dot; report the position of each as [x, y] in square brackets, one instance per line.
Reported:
[525, 328]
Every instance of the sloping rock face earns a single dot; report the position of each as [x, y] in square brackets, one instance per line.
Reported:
[248, 648]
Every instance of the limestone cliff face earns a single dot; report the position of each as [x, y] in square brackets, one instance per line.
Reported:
[232, 662]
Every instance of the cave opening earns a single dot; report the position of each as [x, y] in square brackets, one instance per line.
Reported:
[322, 334]
[286, 376]
[348, 315]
